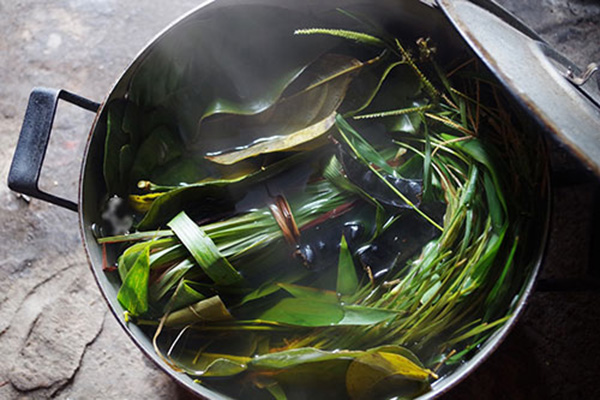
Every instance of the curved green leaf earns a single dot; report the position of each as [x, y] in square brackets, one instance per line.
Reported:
[204, 250]
[133, 294]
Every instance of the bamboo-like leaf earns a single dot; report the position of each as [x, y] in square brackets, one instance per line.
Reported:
[359, 315]
[168, 280]
[310, 293]
[204, 251]
[133, 294]
[208, 310]
[303, 312]
[215, 365]
[310, 312]
[347, 280]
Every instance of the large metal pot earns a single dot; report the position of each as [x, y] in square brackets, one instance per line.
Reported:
[420, 18]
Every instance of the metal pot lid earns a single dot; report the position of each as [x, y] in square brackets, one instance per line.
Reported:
[563, 99]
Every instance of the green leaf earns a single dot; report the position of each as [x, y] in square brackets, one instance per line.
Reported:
[222, 367]
[204, 251]
[494, 204]
[126, 160]
[243, 72]
[159, 288]
[277, 392]
[310, 293]
[363, 147]
[302, 312]
[292, 121]
[360, 315]
[185, 295]
[347, 280]
[130, 256]
[133, 294]
[311, 312]
[214, 365]
[207, 310]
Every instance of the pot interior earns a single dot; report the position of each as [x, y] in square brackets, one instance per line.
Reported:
[209, 45]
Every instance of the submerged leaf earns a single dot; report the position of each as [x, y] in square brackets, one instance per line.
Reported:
[277, 143]
[313, 312]
[377, 373]
[310, 293]
[291, 358]
[222, 191]
[347, 280]
[292, 121]
[303, 312]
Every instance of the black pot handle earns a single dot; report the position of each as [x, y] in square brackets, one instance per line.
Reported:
[33, 141]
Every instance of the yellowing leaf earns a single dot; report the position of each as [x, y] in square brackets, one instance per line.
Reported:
[208, 310]
[277, 143]
[383, 372]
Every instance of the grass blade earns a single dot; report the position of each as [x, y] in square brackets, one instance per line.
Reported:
[204, 251]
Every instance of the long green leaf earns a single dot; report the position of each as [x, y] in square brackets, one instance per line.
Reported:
[311, 312]
[204, 251]
[302, 312]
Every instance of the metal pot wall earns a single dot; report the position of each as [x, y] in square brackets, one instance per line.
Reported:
[416, 18]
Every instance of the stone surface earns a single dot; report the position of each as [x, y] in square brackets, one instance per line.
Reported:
[56, 337]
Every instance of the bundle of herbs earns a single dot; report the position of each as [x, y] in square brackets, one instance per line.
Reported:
[357, 235]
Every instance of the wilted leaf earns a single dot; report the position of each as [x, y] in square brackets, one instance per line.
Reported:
[208, 310]
[277, 143]
[378, 372]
